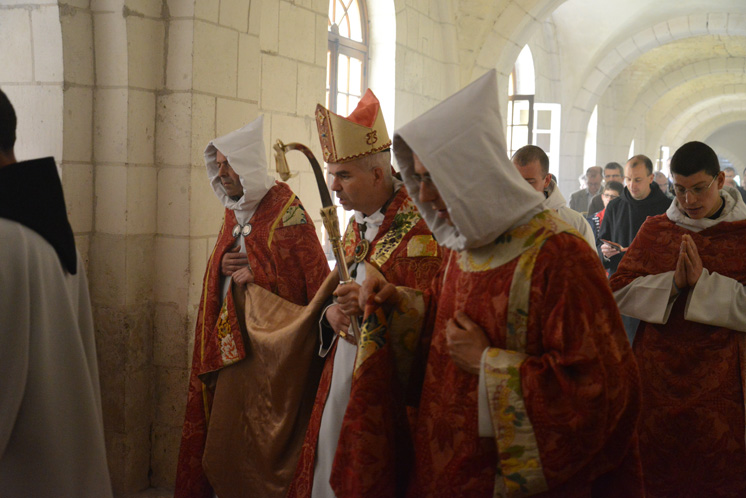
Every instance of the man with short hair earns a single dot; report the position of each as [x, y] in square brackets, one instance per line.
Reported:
[533, 165]
[268, 239]
[51, 427]
[730, 180]
[613, 172]
[386, 231]
[580, 200]
[624, 216]
[684, 277]
[530, 386]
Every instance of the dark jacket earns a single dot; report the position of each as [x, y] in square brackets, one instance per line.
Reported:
[624, 217]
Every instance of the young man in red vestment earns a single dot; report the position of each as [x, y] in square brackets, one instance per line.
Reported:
[530, 385]
[684, 278]
[266, 238]
[386, 232]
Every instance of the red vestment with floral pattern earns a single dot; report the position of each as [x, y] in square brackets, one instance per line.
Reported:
[286, 258]
[578, 382]
[692, 425]
[406, 253]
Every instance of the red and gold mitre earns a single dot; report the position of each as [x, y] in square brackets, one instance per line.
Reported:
[360, 134]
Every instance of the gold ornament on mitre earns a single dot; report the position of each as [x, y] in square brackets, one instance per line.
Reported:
[360, 134]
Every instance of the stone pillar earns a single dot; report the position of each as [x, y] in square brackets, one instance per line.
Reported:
[128, 47]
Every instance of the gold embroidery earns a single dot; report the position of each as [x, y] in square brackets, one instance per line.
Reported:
[422, 245]
[519, 471]
[295, 215]
[512, 243]
[406, 218]
[278, 219]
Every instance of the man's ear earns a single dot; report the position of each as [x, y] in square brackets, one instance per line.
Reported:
[377, 175]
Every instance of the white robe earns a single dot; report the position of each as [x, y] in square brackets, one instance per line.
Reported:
[556, 201]
[51, 427]
[341, 385]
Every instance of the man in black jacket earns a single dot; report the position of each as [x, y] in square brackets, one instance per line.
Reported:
[625, 215]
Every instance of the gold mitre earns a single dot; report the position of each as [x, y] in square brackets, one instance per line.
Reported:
[360, 134]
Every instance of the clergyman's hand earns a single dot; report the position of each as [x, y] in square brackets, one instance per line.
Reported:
[347, 299]
[466, 342]
[244, 276]
[339, 322]
[692, 259]
[375, 293]
[233, 261]
[679, 275]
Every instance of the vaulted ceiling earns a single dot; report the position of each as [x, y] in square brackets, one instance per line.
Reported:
[666, 71]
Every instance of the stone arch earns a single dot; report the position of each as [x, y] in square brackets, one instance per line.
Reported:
[620, 55]
[651, 94]
[713, 124]
[701, 112]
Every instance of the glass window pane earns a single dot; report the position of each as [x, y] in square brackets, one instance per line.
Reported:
[343, 108]
[343, 73]
[356, 76]
[542, 140]
[353, 100]
[356, 28]
[520, 136]
[343, 20]
[520, 112]
[339, 13]
[543, 120]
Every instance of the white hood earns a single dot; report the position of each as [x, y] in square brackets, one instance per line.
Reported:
[244, 149]
[461, 143]
[555, 199]
[734, 210]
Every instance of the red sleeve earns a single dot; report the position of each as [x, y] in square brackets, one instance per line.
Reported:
[580, 383]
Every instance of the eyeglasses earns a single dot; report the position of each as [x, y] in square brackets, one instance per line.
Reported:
[681, 191]
[424, 179]
[609, 196]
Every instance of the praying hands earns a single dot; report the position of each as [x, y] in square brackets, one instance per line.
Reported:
[689, 265]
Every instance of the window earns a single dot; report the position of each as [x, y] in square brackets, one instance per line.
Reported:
[591, 134]
[346, 75]
[521, 90]
[347, 55]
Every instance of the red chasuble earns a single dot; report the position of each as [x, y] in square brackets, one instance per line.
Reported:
[565, 419]
[286, 258]
[406, 253]
[692, 426]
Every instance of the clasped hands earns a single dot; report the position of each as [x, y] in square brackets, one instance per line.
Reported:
[689, 265]
[466, 341]
[235, 264]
